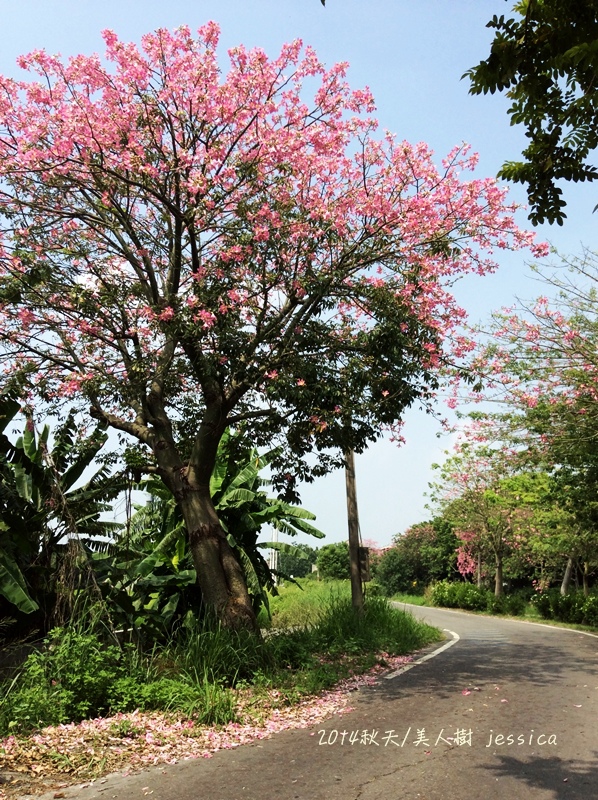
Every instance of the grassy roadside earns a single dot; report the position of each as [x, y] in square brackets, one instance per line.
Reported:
[412, 599]
[80, 709]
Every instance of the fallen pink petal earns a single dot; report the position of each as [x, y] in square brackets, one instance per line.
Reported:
[164, 739]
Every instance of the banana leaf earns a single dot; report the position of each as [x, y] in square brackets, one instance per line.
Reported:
[12, 585]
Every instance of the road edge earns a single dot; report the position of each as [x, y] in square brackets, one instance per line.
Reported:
[427, 657]
[503, 619]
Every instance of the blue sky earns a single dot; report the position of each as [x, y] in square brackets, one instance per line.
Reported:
[412, 56]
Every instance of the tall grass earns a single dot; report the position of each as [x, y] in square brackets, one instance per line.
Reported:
[380, 628]
[304, 603]
[76, 675]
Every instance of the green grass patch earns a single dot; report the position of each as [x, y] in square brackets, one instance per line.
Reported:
[412, 599]
[302, 604]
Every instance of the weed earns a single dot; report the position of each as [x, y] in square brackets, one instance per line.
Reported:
[125, 729]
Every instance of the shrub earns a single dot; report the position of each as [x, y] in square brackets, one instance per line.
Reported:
[570, 607]
[516, 603]
[590, 611]
[574, 608]
[76, 676]
[393, 574]
[333, 561]
[541, 602]
[496, 605]
[459, 595]
[472, 598]
[69, 679]
[513, 604]
[442, 594]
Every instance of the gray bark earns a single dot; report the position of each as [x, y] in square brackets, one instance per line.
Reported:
[566, 583]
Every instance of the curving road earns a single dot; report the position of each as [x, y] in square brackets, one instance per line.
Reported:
[509, 711]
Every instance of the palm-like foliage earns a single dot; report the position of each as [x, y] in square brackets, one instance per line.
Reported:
[147, 572]
[41, 508]
[244, 508]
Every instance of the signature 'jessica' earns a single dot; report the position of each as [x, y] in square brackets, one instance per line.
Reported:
[501, 740]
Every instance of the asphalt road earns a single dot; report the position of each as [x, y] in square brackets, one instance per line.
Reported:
[509, 711]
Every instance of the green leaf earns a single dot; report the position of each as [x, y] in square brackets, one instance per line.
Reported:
[247, 475]
[12, 585]
[220, 468]
[284, 547]
[23, 483]
[8, 411]
[72, 475]
[304, 527]
[235, 498]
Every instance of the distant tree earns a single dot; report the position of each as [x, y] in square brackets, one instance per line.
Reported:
[540, 363]
[393, 573]
[426, 552]
[546, 59]
[333, 561]
[297, 564]
[479, 494]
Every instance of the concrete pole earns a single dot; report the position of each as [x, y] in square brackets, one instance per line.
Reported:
[353, 521]
[273, 555]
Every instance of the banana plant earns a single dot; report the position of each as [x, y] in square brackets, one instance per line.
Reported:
[16, 526]
[41, 507]
[147, 573]
[244, 507]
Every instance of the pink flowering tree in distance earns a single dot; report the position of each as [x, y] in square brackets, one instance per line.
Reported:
[184, 250]
[540, 362]
[493, 503]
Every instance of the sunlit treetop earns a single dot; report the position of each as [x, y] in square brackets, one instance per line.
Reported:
[546, 60]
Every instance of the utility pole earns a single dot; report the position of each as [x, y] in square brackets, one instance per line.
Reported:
[273, 555]
[353, 520]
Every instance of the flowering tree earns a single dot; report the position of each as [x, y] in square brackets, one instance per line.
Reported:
[423, 554]
[490, 503]
[184, 252]
[507, 509]
[540, 362]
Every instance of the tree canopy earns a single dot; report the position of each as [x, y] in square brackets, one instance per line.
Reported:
[546, 60]
[539, 361]
[183, 251]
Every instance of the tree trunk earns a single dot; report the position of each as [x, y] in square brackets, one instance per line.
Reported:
[498, 590]
[353, 523]
[219, 574]
[567, 576]
[479, 571]
[586, 578]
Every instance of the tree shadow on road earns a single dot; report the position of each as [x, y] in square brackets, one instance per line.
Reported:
[568, 781]
[481, 664]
